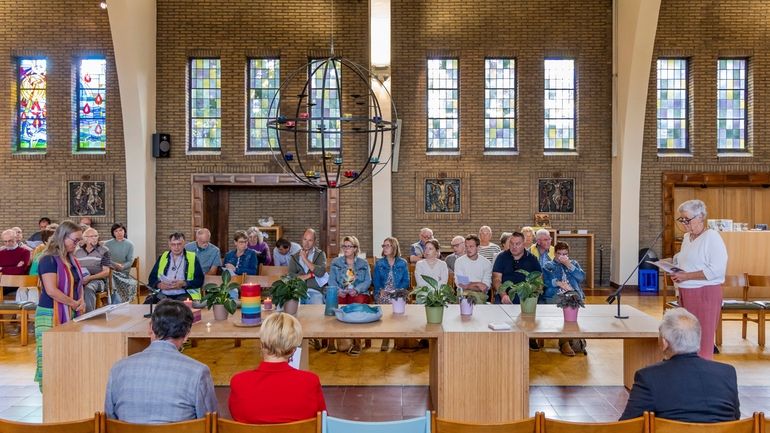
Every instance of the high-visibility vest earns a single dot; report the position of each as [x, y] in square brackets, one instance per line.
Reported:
[195, 293]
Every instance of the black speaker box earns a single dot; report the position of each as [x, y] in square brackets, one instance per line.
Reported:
[161, 145]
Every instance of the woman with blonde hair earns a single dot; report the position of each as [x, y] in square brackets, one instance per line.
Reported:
[61, 299]
[257, 243]
[352, 277]
[529, 237]
[293, 395]
[391, 273]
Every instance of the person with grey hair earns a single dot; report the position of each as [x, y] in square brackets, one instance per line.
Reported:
[458, 250]
[684, 387]
[702, 261]
[487, 248]
[417, 249]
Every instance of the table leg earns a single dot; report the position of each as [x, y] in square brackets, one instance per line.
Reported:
[638, 353]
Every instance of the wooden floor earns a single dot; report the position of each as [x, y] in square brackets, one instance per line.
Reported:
[390, 385]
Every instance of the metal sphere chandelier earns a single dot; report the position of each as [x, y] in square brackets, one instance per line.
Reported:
[335, 135]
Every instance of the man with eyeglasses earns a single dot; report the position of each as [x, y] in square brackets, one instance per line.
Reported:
[177, 273]
[207, 253]
[417, 249]
[96, 260]
[458, 250]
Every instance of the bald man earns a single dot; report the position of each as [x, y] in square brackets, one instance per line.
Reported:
[208, 254]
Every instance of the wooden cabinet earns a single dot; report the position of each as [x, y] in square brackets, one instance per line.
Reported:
[272, 233]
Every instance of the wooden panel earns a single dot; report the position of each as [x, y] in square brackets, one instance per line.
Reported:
[736, 205]
[760, 202]
[639, 353]
[712, 197]
[747, 252]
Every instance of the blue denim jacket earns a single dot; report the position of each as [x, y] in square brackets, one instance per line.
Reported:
[338, 274]
[552, 273]
[400, 274]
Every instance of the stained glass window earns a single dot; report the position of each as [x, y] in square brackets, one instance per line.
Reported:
[325, 81]
[731, 105]
[672, 105]
[33, 107]
[443, 104]
[559, 103]
[92, 84]
[264, 82]
[500, 104]
[205, 104]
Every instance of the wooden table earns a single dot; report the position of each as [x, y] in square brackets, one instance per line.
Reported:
[588, 266]
[78, 356]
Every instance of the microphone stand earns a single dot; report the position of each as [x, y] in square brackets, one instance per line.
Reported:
[618, 293]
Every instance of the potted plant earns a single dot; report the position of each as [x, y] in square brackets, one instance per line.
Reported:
[398, 300]
[569, 301]
[287, 292]
[217, 296]
[528, 290]
[467, 301]
[435, 297]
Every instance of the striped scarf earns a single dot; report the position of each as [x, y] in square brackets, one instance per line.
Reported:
[65, 283]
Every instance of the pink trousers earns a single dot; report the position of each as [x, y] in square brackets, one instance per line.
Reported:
[704, 303]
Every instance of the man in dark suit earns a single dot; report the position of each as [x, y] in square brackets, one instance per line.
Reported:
[684, 387]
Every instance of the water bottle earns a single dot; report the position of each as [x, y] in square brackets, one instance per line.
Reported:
[331, 300]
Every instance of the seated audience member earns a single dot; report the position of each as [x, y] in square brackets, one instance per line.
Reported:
[560, 275]
[293, 395]
[39, 250]
[96, 259]
[258, 244]
[241, 260]
[431, 265]
[504, 236]
[529, 236]
[207, 253]
[283, 251]
[86, 222]
[122, 255]
[487, 249]
[20, 239]
[160, 384]
[42, 223]
[543, 250]
[509, 262]
[684, 387]
[352, 277]
[176, 274]
[309, 264]
[416, 249]
[391, 273]
[14, 260]
[458, 250]
[473, 273]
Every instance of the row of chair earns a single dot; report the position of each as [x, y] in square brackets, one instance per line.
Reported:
[424, 424]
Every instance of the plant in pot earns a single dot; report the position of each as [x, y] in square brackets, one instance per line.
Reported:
[570, 301]
[287, 293]
[398, 299]
[528, 290]
[435, 297]
[467, 301]
[217, 296]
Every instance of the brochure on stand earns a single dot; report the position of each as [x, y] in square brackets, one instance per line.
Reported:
[667, 265]
[99, 311]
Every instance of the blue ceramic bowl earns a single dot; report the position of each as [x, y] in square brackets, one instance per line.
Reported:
[358, 313]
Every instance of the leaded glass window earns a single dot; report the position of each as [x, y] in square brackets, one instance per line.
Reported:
[443, 104]
[500, 104]
[325, 94]
[91, 117]
[559, 103]
[731, 105]
[205, 104]
[264, 82]
[32, 114]
[673, 109]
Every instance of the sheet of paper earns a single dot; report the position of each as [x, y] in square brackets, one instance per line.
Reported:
[462, 279]
[666, 265]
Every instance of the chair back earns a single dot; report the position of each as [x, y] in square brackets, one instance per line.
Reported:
[312, 425]
[414, 425]
[264, 281]
[759, 287]
[662, 425]
[217, 279]
[201, 425]
[636, 425]
[734, 287]
[530, 425]
[90, 425]
[18, 280]
[273, 270]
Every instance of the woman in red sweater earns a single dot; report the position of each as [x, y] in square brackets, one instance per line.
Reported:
[276, 392]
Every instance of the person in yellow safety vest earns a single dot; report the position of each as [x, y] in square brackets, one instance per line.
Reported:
[177, 273]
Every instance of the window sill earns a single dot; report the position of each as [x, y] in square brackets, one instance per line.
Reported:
[569, 153]
[675, 155]
[203, 153]
[261, 152]
[443, 153]
[491, 152]
[734, 154]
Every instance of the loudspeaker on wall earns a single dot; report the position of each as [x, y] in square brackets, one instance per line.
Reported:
[161, 145]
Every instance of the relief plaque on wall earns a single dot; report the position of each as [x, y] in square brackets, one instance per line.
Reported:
[556, 195]
[442, 195]
[86, 198]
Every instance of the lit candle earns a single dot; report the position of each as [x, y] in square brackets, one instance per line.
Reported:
[267, 304]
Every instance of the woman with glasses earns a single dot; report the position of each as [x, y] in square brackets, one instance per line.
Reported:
[61, 299]
[352, 277]
[258, 245]
[703, 263]
[391, 273]
[241, 259]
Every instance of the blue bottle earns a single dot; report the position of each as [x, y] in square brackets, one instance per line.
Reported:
[331, 300]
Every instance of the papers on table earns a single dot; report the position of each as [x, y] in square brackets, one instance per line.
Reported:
[667, 265]
[99, 311]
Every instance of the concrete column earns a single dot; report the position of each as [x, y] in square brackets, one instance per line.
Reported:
[132, 23]
[635, 24]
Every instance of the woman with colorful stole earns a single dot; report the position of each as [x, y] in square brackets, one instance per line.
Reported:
[61, 299]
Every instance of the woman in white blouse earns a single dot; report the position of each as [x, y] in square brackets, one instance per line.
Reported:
[703, 263]
[431, 265]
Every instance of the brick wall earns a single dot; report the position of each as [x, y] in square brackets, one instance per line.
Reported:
[35, 185]
[703, 31]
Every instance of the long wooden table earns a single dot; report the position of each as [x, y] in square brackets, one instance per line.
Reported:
[78, 356]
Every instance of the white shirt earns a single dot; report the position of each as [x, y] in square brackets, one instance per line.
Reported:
[479, 270]
[439, 272]
[706, 253]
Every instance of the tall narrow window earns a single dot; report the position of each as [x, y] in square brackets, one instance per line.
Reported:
[731, 105]
[500, 104]
[443, 104]
[325, 94]
[264, 82]
[205, 104]
[672, 106]
[92, 85]
[32, 115]
[559, 103]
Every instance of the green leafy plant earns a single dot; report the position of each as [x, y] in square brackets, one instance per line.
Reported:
[467, 295]
[287, 289]
[531, 287]
[433, 294]
[219, 294]
[398, 293]
[569, 299]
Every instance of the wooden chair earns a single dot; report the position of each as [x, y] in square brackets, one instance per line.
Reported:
[668, 293]
[312, 425]
[636, 425]
[274, 270]
[759, 293]
[264, 281]
[530, 425]
[201, 425]
[735, 301]
[11, 312]
[89, 425]
[339, 425]
[748, 425]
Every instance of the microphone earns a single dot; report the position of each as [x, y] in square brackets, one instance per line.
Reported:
[617, 294]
